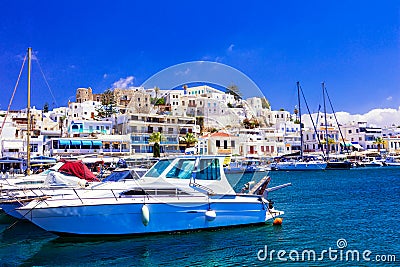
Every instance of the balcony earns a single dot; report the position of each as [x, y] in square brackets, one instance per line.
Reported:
[224, 151]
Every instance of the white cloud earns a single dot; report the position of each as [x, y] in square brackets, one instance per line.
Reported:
[383, 117]
[230, 48]
[376, 117]
[389, 98]
[105, 75]
[123, 82]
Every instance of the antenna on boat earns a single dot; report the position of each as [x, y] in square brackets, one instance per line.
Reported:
[337, 122]
[28, 147]
[311, 118]
[326, 122]
[301, 126]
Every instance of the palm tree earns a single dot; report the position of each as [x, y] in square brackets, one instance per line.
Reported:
[331, 141]
[61, 125]
[379, 141]
[189, 139]
[156, 138]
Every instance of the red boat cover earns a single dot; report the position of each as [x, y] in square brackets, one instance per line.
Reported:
[78, 169]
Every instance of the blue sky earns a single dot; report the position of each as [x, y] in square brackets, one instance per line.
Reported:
[354, 46]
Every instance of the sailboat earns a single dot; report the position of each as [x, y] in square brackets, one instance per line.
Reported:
[333, 162]
[302, 163]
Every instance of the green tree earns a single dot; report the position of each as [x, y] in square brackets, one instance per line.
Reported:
[189, 139]
[265, 103]
[46, 108]
[61, 125]
[233, 89]
[379, 141]
[157, 90]
[160, 101]
[331, 142]
[251, 123]
[156, 138]
[108, 105]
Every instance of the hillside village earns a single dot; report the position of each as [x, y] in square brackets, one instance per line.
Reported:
[201, 119]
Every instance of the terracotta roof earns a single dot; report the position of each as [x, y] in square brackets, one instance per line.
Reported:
[220, 134]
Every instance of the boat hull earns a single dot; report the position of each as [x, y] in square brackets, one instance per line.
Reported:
[10, 209]
[339, 165]
[128, 218]
[298, 166]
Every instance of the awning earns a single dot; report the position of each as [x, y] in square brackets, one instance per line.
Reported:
[97, 143]
[86, 142]
[64, 142]
[10, 160]
[75, 142]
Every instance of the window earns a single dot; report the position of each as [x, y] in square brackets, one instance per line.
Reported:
[218, 143]
[182, 169]
[208, 169]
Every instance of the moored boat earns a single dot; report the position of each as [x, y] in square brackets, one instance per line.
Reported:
[306, 163]
[58, 180]
[184, 193]
[392, 161]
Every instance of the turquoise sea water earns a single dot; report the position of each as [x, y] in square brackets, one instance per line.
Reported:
[356, 210]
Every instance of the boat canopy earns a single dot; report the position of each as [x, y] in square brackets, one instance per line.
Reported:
[78, 169]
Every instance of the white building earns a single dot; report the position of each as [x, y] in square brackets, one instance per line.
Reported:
[82, 111]
[84, 128]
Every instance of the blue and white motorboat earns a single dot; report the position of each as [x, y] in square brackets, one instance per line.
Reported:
[246, 166]
[179, 194]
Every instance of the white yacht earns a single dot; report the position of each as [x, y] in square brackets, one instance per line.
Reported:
[184, 193]
[305, 163]
[58, 180]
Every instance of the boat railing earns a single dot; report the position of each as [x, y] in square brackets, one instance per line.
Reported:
[202, 188]
[82, 195]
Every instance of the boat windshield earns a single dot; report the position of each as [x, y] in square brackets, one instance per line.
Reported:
[182, 169]
[158, 168]
[118, 175]
[207, 169]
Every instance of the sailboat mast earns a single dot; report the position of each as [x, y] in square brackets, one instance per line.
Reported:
[301, 126]
[326, 122]
[28, 114]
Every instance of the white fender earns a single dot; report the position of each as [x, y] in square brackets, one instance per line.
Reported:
[145, 215]
[210, 215]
